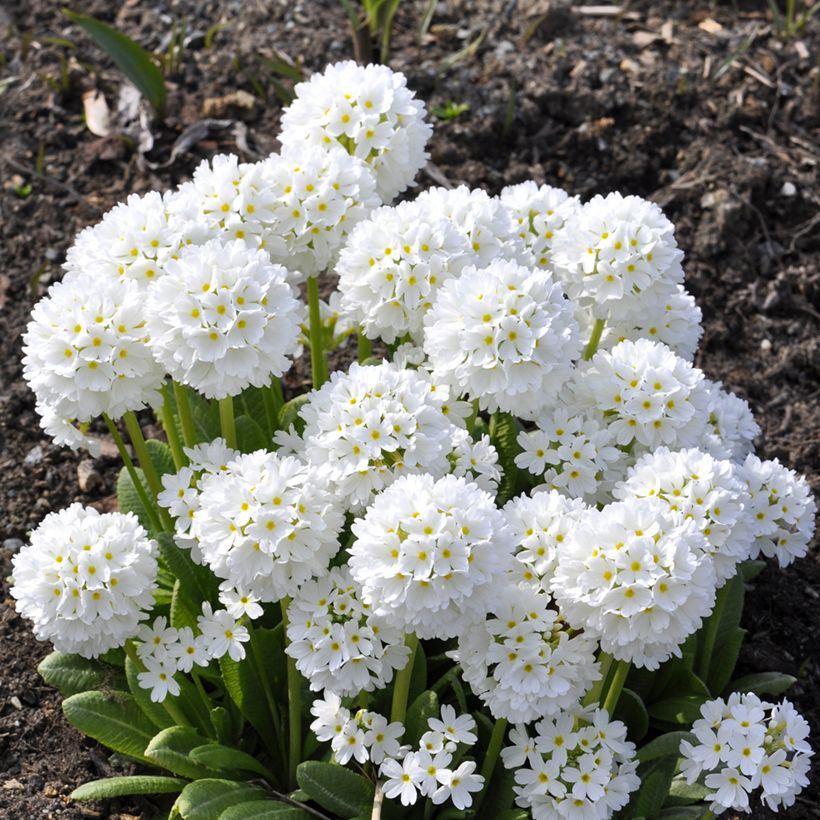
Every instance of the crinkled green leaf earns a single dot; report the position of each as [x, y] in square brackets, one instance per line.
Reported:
[171, 749]
[682, 709]
[225, 758]
[265, 810]
[72, 674]
[764, 683]
[335, 788]
[666, 745]
[425, 706]
[250, 436]
[632, 712]
[207, 799]
[155, 712]
[724, 660]
[126, 786]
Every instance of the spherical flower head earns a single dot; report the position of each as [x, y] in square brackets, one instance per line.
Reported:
[540, 525]
[86, 579]
[133, 242]
[638, 577]
[394, 264]
[781, 511]
[578, 765]
[223, 318]
[429, 554]
[374, 423]
[731, 428]
[504, 335]
[370, 112]
[86, 353]
[266, 523]
[540, 213]
[744, 744]
[614, 246]
[522, 662]
[648, 395]
[695, 485]
[337, 642]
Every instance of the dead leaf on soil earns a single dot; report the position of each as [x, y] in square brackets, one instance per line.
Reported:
[710, 26]
[5, 283]
[97, 115]
[215, 107]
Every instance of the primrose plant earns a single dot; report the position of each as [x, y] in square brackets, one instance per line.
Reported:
[496, 570]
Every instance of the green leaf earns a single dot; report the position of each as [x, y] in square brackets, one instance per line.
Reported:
[681, 813]
[667, 745]
[72, 674]
[289, 413]
[504, 431]
[683, 709]
[171, 749]
[207, 799]
[128, 499]
[418, 678]
[500, 796]
[724, 660]
[632, 712]
[182, 610]
[513, 814]
[161, 457]
[221, 758]
[114, 719]
[250, 436]
[751, 569]
[126, 786]
[682, 793]
[198, 583]
[223, 724]
[155, 712]
[265, 810]
[131, 58]
[423, 707]
[244, 687]
[764, 683]
[251, 403]
[655, 780]
[335, 788]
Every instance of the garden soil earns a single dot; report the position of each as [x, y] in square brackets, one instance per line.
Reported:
[707, 108]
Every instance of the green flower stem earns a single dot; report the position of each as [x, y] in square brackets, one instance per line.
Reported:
[168, 703]
[594, 694]
[147, 503]
[616, 687]
[227, 422]
[148, 469]
[401, 687]
[318, 363]
[186, 420]
[491, 758]
[594, 339]
[365, 347]
[710, 633]
[294, 706]
[169, 424]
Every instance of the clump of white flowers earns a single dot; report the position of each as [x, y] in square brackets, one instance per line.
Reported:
[745, 744]
[86, 580]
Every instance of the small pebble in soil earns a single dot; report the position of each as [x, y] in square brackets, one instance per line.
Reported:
[34, 455]
[12, 545]
[87, 476]
[765, 345]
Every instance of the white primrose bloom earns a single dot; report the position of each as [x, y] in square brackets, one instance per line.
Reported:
[266, 524]
[540, 213]
[338, 644]
[64, 433]
[638, 577]
[458, 785]
[239, 602]
[649, 395]
[745, 744]
[573, 452]
[731, 428]
[223, 318]
[693, 484]
[522, 661]
[540, 526]
[429, 554]
[476, 460]
[579, 766]
[403, 778]
[156, 640]
[133, 242]
[781, 511]
[222, 633]
[366, 427]
[614, 246]
[86, 579]
[369, 111]
[86, 353]
[504, 335]
[159, 678]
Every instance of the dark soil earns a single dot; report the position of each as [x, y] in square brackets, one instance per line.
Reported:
[701, 106]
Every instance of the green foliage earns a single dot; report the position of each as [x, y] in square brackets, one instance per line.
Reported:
[666, 745]
[129, 499]
[155, 712]
[207, 799]
[764, 683]
[250, 436]
[72, 674]
[632, 712]
[451, 110]
[126, 786]
[265, 810]
[224, 758]
[172, 748]
[504, 430]
[425, 706]
[335, 788]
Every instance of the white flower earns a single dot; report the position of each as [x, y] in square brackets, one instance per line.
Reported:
[647, 393]
[338, 644]
[189, 649]
[615, 246]
[157, 640]
[65, 433]
[239, 601]
[476, 460]
[369, 111]
[331, 717]
[428, 554]
[522, 661]
[695, 485]
[458, 785]
[86, 353]
[455, 728]
[366, 427]
[540, 213]
[504, 335]
[159, 678]
[222, 633]
[781, 510]
[86, 579]
[731, 427]
[637, 577]
[265, 524]
[402, 778]
[382, 738]
[223, 318]
[582, 766]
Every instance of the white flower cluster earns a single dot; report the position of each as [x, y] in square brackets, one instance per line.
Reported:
[731, 427]
[503, 335]
[745, 744]
[578, 765]
[86, 580]
[522, 661]
[338, 644]
[369, 111]
[638, 578]
[429, 554]
[476, 460]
